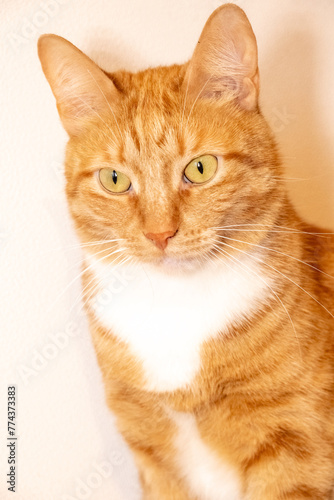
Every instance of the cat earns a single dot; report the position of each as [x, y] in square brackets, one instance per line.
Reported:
[210, 301]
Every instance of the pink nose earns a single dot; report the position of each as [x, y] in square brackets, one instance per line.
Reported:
[160, 239]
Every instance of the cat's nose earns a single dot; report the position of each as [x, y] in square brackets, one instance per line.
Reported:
[161, 239]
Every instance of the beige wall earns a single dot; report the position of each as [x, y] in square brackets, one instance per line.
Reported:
[65, 430]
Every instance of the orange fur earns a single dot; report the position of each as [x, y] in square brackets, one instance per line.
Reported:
[263, 398]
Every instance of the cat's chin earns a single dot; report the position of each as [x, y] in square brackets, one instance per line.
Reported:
[178, 264]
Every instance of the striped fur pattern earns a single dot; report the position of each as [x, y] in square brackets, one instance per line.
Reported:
[217, 352]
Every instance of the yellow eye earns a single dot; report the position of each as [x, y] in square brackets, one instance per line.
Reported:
[201, 169]
[114, 181]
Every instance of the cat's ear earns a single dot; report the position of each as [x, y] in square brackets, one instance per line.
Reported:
[225, 59]
[82, 90]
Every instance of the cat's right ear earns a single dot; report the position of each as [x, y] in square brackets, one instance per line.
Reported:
[82, 90]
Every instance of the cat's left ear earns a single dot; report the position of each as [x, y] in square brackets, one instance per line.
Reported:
[225, 59]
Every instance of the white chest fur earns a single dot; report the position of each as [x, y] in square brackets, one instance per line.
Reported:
[165, 318]
[206, 475]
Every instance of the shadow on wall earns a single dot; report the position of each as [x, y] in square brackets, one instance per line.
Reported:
[292, 104]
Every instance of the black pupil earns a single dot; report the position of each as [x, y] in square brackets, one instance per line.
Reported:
[114, 176]
[200, 167]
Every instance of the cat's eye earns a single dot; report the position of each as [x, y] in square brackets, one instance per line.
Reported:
[114, 180]
[201, 169]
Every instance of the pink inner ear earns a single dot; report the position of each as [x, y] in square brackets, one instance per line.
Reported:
[225, 59]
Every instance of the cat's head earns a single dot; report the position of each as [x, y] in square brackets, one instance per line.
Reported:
[161, 160]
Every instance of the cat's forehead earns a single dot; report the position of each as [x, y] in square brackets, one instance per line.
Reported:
[153, 105]
[149, 119]
[161, 86]
[156, 123]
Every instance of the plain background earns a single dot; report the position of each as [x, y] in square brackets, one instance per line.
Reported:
[68, 447]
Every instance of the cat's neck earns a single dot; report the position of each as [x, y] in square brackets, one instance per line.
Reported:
[165, 317]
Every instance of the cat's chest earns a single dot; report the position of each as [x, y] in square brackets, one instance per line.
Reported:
[165, 318]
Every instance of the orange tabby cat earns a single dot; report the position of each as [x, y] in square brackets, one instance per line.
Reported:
[210, 301]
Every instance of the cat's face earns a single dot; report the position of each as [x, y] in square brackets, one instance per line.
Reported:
[156, 136]
[158, 161]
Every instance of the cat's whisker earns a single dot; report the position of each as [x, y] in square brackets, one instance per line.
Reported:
[291, 179]
[100, 259]
[83, 258]
[312, 178]
[86, 299]
[86, 286]
[71, 283]
[288, 229]
[235, 228]
[100, 242]
[200, 257]
[211, 257]
[250, 272]
[282, 274]
[206, 257]
[217, 258]
[224, 252]
[81, 245]
[278, 252]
